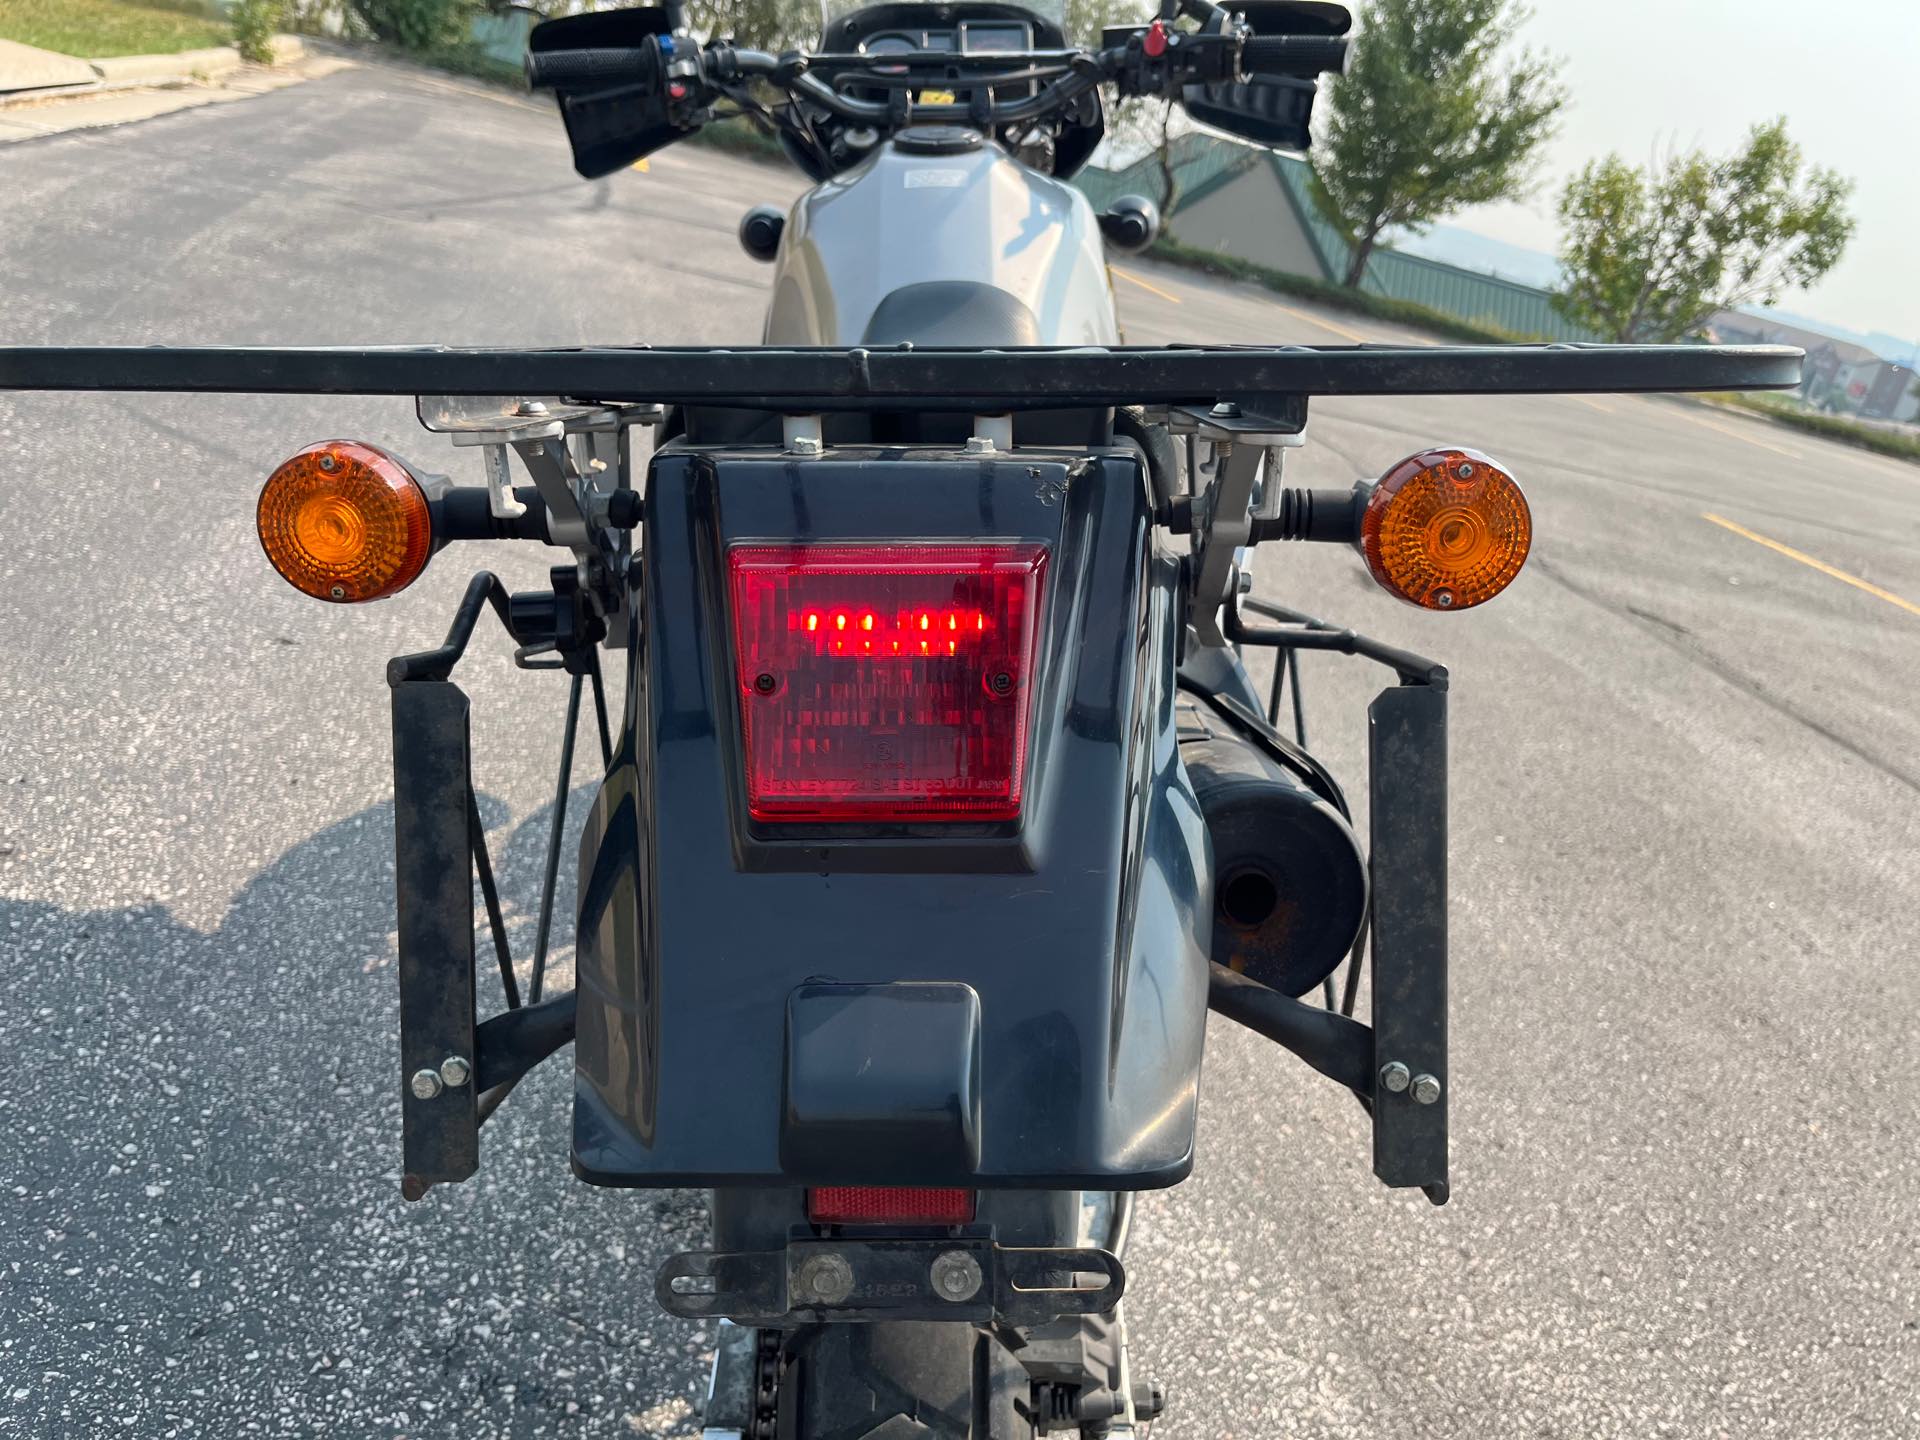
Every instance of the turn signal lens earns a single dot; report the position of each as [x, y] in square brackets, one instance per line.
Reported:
[1446, 529]
[344, 521]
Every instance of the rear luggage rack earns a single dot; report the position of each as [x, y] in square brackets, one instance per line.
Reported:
[904, 377]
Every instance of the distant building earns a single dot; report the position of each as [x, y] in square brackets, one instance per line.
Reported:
[1840, 376]
[1258, 205]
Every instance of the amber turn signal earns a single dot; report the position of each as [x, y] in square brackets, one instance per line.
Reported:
[1446, 529]
[344, 521]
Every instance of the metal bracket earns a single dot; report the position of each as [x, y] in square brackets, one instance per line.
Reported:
[967, 1278]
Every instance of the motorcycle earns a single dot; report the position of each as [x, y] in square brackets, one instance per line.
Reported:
[943, 808]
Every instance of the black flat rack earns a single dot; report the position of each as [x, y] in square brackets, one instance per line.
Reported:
[905, 377]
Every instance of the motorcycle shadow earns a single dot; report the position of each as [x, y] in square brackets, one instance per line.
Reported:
[200, 1150]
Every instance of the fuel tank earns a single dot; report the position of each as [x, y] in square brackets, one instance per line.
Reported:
[994, 253]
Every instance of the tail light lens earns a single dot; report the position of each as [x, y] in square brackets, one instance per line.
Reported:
[344, 521]
[885, 682]
[877, 1205]
[1446, 529]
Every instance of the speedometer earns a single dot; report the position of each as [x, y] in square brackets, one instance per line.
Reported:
[890, 45]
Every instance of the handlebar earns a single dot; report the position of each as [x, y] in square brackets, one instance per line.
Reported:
[1301, 56]
[551, 69]
[1204, 59]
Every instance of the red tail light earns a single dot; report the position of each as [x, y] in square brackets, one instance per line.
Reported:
[885, 682]
[877, 1205]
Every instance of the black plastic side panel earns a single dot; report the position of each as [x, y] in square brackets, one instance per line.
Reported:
[1081, 930]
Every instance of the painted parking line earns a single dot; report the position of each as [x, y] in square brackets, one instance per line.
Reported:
[1146, 285]
[1742, 435]
[1352, 336]
[1820, 565]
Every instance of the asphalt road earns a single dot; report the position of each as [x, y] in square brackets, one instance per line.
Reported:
[1686, 868]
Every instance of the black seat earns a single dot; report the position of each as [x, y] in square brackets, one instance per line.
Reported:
[952, 312]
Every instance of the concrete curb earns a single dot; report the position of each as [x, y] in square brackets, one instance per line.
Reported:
[187, 67]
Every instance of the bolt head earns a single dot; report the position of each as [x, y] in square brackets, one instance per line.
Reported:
[425, 1084]
[1395, 1077]
[455, 1071]
[824, 1279]
[979, 445]
[532, 407]
[1426, 1089]
[956, 1276]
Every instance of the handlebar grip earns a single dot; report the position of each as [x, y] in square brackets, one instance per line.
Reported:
[1299, 56]
[549, 69]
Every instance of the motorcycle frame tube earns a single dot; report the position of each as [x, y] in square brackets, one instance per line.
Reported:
[1082, 928]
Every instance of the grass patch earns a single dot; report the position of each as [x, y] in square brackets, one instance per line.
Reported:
[1334, 297]
[1830, 427]
[96, 29]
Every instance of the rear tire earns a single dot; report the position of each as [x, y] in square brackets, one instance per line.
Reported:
[903, 1380]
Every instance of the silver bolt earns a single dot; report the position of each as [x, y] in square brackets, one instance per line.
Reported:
[1426, 1089]
[808, 445]
[425, 1084]
[826, 1279]
[455, 1071]
[1465, 472]
[956, 1276]
[532, 407]
[329, 464]
[1443, 598]
[338, 592]
[1395, 1077]
[980, 445]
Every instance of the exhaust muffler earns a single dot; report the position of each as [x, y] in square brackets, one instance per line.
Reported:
[1289, 877]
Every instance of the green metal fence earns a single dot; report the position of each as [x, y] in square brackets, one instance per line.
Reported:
[1203, 162]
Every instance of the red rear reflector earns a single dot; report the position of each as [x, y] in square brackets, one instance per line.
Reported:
[878, 1205]
[885, 682]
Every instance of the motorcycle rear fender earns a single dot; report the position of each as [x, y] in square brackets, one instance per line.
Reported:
[1023, 1004]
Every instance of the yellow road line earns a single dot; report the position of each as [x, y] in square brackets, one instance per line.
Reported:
[1150, 288]
[1820, 565]
[1352, 336]
[1740, 435]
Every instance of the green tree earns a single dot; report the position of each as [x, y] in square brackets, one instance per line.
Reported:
[1649, 254]
[254, 22]
[1432, 116]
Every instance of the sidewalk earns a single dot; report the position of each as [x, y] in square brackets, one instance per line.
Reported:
[42, 93]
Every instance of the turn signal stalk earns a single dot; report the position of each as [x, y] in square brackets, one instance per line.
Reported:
[1445, 529]
[345, 521]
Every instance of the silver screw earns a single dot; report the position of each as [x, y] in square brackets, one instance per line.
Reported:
[808, 445]
[532, 407]
[956, 1275]
[338, 592]
[826, 1279]
[1443, 598]
[1426, 1089]
[328, 463]
[1395, 1077]
[455, 1071]
[1465, 472]
[425, 1084]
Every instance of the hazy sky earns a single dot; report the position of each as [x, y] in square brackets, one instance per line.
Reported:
[1653, 73]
